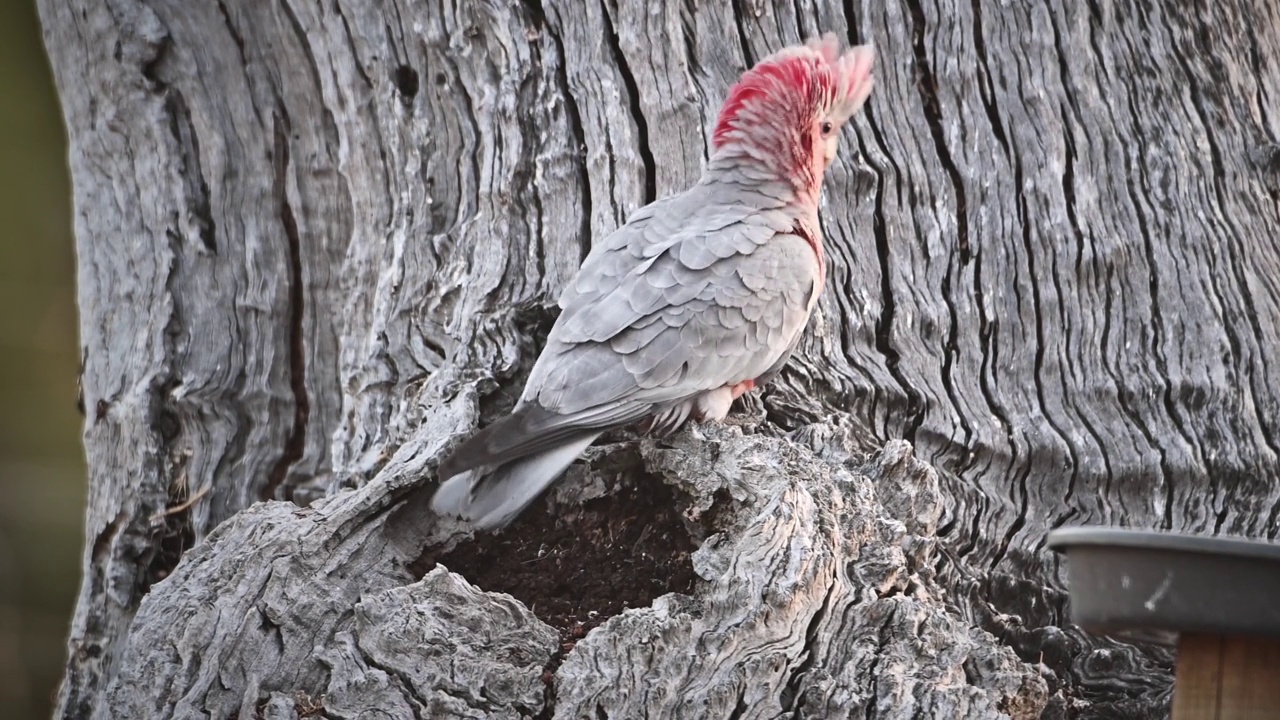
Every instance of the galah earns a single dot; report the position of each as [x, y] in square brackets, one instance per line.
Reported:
[700, 297]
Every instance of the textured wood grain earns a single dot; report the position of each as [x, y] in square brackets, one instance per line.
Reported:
[814, 604]
[1227, 677]
[816, 598]
[317, 242]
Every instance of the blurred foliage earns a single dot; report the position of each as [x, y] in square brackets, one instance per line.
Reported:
[41, 460]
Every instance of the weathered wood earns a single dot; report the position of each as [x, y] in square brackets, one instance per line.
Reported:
[317, 242]
[1227, 677]
[815, 603]
[1198, 691]
[817, 599]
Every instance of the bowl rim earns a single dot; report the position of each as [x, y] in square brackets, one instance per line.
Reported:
[1063, 540]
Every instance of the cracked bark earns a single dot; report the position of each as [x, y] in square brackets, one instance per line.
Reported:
[317, 243]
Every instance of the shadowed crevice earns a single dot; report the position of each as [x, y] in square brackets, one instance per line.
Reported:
[295, 443]
[633, 104]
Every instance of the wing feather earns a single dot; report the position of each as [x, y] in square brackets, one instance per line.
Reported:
[726, 333]
[691, 295]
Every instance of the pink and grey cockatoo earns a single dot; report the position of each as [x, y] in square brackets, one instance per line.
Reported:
[698, 298]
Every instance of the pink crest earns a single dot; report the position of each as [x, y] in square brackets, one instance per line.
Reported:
[797, 83]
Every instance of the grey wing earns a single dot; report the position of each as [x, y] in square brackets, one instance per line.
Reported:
[656, 315]
[672, 332]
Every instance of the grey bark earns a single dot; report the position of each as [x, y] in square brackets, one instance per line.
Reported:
[317, 242]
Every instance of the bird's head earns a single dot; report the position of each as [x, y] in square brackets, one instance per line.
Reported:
[787, 111]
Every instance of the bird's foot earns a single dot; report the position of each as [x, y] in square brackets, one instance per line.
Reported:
[742, 388]
[713, 406]
[710, 406]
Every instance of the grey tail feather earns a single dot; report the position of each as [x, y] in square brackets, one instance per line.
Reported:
[492, 498]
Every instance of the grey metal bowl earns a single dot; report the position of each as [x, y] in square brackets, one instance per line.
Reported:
[1130, 581]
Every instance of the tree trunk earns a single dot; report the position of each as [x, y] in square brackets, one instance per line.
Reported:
[319, 242]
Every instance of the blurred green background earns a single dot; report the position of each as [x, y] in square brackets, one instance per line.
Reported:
[42, 476]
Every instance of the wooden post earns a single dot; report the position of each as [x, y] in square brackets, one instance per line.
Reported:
[1227, 677]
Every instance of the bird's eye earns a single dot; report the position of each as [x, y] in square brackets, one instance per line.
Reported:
[826, 127]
